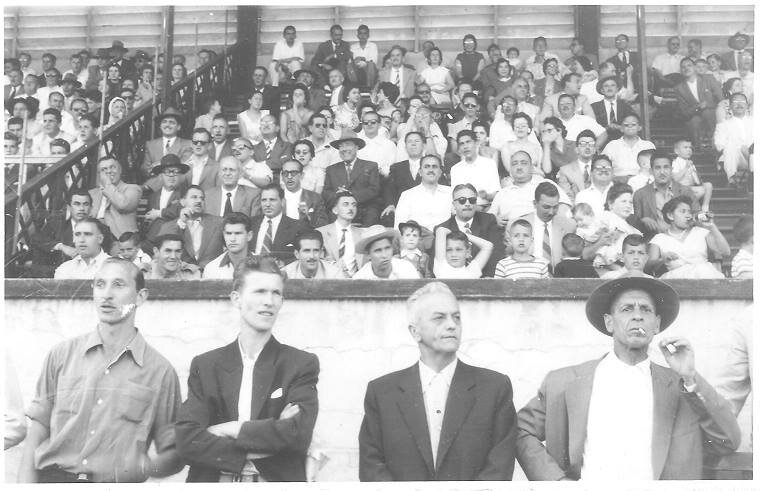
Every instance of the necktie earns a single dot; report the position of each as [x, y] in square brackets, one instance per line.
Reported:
[348, 172]
[586, 176]
[269, 146]
[102, 210]
[613, 119]
[166, 148]
[467, 228]
[196, 233]
[266, 247]
[547, 246]
[738, 59]
[342, 245]
[13, 93]
[228, 205]
[625, 59]
[397, 81]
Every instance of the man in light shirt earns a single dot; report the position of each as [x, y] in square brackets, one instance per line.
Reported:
[601, 182]
[309, 264]
[377, 242]
[341, 236]
[167, 263]
[378, 147]
[88, 239]
[78, 70]
[428, 203]
[287, 56]
[535, 62]
[667, 66]
[572, 430]
[575, 123]
[236, 230]
[51, 129]
[251, 405]
[475, 169]
[301, 204]
[625, 150]
[440, 419]
[365, 57]
[324, 154]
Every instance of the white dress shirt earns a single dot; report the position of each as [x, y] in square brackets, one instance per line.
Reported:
[580, 122]
[196, 167]
[224, 199]
[79, 269]
[516, 200]
[291, 203]
[164, 144]
[163, 200]
[595, 198]
[369, 52]
[667, 63]
[263, 230]
[435, 392]
[282, 51]
[693, 88]
[425, 206]
[625, 156]
[620, 422]
[481, 173]
[380, 150]
[245, 396]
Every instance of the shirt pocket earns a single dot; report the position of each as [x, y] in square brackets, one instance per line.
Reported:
[134, 402]
[69, 394]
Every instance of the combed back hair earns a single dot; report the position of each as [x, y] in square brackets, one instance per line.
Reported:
[572, 244]
[308, 235]
[137, 274]
[422, 137]
[583, 209]
[633, 240]
[483, 124]
[276, 187]
[522, 223]
[743, 229]
[134, 237]
[429, 288]
[547, 189]
[158, 242]
[294, 161]
[254, 264]
[203, 131]
[598, 158]
[617, 190]
[585, 134]
[194, 186]
[466, 185]
[235, 218]
[74, 191]
[671, 206]
[93, 221]
[661, 153]
[464, 133]
[342, 194]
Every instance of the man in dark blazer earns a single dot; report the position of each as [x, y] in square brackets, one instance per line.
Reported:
[244, 199]
[270, 94]
[192, 217]
[301, 204]
[623, 58]
[274, 233]
[164, 205]
[738, 44]
[221, 146]
[251, 405]
[610, 106]
[398, 73]
[699, 110]
[271, 149]
[170, 123]
[333, 54]
[361, 177]
[572, 429]
[400, 177]
[440, 419]
[317, 97]
[467, 219]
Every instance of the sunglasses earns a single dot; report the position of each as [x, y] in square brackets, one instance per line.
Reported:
[471, 200]
[423, 92]
[171, 173]
[240, 149]
[200, 142]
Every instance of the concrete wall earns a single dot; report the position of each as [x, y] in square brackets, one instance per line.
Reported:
[358, 339]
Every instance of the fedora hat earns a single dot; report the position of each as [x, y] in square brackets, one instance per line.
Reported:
[373, 234]
[304, 70]
[117, 45]
[70, 78]
[738, 35]
[168, 161]
[666, 299]
[171, 113]
[602, 80]
[357, 141]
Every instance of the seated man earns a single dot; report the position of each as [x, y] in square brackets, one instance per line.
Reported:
[167, 263]
[334, 54]
[51, 129]
[473, 168]
[624, 151]
[170, 125]
[308, 79]
[399, 74]
[576, 176]
[611, 110]
[571, 85]
[274, 232]
[229, 196]
[341, 236]
[301, 204]
[236, 229]
[308, 263]
[377, 243]
[115, 202]
[164, 204]
[697, 97]
[428, 203]
[89, 254]
[576, 123]
[287, 56]
[221, 146]
[272, 149]
[365, 58]
[667, 66]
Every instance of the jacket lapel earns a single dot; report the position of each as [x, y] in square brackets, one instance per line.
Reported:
[412, 409]
[229, 373]
[263, 376]
[665, 399]
[458, 405]
[355, 170]
[578, 398]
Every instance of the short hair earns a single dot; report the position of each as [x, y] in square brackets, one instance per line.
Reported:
[236, 218]
[53, 112]
[661, 153]
[314, 116]
[646, 152]
[328, 109]
[617, 190]
[547, 189]
[583, 208]
[308, 143]
[466, 185]
[524, 116]
[390, 90]
[585, 134]
[566, 78]
[75, 191]
[738, 95]
[671, 206]
[522, 223]
[275, 187]
[633, 240]
[696, 41]
[341, 194]
[302, 88]
[93, 221]
[60, 142]
[743, 230]
[538, 38]
[335, 27]
[557, 123]
[546, 63]
[288, 28]
[513, 49]
[482, 123]
[414, 133]
[15, 120]
[158, 242]
[92, 119]
[10, 136]
[194, 186]
[680, 141]
[427, 289]
[136, 272]
[599, 157]
[133, 237]
[583, 62]
[254, 264]
[458, 235]
[471, 95]
[462, 133]
[49, 55]
[308, 235]
[204, 131]
[573, 244]
[565, 96]
[259, 67]
[624, 36]
[432, 156]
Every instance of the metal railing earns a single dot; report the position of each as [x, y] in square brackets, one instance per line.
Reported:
[45, 194]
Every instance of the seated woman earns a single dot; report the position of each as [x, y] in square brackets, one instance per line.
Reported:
[684, 247]
[295, 120]
[453, 254]
[716, 69]
[505, 76]
[313, 175]
[117, 108]
[347, 114]
[526, 141]
[481, 129]
[248, 120]
[557, 149]
[548, 85]
[438, 78]
[469, 62]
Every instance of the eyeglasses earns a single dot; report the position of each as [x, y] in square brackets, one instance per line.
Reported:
[290, 173]
[200, 142]
[603, 168]
[586, 144]
[171, 173]
[370, 122]
[240, 148]
[471, 200]
[320, 125]
[470, 106]
[50, 75]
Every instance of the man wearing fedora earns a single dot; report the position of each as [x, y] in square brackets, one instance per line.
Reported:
[623, 417]
[126, 66]
[399, 74]
[97, 71]
[170, 123]
[164, 204]
[610, 111]
[361, 177]
[378, 244]
[732, 60]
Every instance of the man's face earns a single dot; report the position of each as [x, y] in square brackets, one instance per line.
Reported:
[520, 167]
[465, 211]
[289, 35]
[56, 101]
[268, 126]
[673, 45]
[10, 147]
[631, 126]
[347, 151]
[259, 77]
[170, 177]
[576, 48]
[51, 78]
[621, 43]
[169, 127]
[610, 89]
[87, 239]
[67, 88]
[109, 171]
[687, 68]
[508, 107]
[47, 63]
[271, 203]
[25, 60]
[50, 124]
[200, 144]
[371, 123]
[380, 254]
[494, 54]
[566, 108]
[397, 57]
[16, 129]
[219, 129]
[129, 98]
[586, 147]
[739, 107]
[86, 130]
[632, 320]
[291, 175]
[635, 257]
[31, 83]
[546, 207]
[521, 89]
[693, 49]
[204, 57]
[362, 34]
[345, 208]
[423, 90]
[335, 78]
[195, 200]
[430, 170]
[229, 171]
[308, 255]
[662, 170]
[414, 146]
[236, 238]
[521, 238]
[480, 134]
[437, 327]
[15, 77]
[58, 150]
[467, 147]
[539, 47]
[259, 300]
[601, 174]
[168, 256]
[76, 64]
[573, 85]
[470, 106]
[114, 292]
[336, 35]
[242, 151]
[318, 128]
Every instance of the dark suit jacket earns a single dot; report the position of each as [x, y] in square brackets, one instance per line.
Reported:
[645, 205]
[56, 229]
[94, 77]
[409, 76]
[154, 150]
[633, 59]
[484, 226]
[212, 241]
[709, 91]
[317, 97]
[318, 216]
[477, 439]
[685, 425]
[226, 150]
[271, 99]
[284, 238]
[209, 176]
[399, 180]
[281, 152]
[729, 59]
[622, 110]
[247, 200]
[365, 181]
[213, 388]
[325, 51]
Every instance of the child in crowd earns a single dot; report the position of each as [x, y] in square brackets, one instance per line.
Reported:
[742, 264]
[410, 250]
[635, 257]
[453, 251]
[686, 174]
[573, 265]
[522, 264]
[513, 57]
[129, 249]
[644, 176]
[587, 226]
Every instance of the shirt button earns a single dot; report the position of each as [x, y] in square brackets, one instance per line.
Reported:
[84, 462]
[108, 371]
[100, 401]
[92, 432]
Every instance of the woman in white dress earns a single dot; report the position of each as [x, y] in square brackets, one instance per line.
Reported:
[347, 114]
[684, 247]
[248, 120]
[437, 77]
[313, 175]
[526, 141]
[453, 253]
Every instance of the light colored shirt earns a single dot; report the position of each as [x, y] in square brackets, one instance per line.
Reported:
[666, 63]
[426, 207]
[380, 150]
[516, 200]
[263, 230]
[595, 197]
[580, 122]
[245, 396]
[537, 67]
[481, 173]
[624, 155]
[511, 269]
[640, 180]
[41, 142]
[80, 269]
[83, 76]
[282, 51]
[369, 52]
[444, 270]
[291, 203]
[220, 268]
[325, 270]
[435, 392]
[693, 88]
[400, 270]
[624, 391]
[742, 265]
[163, 200]
[197, 168]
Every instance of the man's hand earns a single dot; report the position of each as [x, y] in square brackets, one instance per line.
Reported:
[67, 250]
[152, 215]
[387, 211]
[682, 360]
[229, 429]
[184, 215]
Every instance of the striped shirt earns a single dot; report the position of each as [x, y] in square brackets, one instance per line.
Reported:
[741, 266]
[517, 270]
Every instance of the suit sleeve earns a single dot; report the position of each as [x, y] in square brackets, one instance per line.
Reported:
[372, 466]
[638, 204]
[531, 433]
[127, 201]
[148, 160]
[686, 109]
[720, 431]
[328, 191]
[564, 183]
[194, 443]
[500, 463]
[389, 188]
[276, 435]
[319, 216]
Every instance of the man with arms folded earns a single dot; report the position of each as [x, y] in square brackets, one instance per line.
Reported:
[439, 419]
[624, 417]
[251, 405]
[104, 397]
[428, 203]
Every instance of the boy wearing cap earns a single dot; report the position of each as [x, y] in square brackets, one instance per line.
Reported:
[411, 248]
[623, 417]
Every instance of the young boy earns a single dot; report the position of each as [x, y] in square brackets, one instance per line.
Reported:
[686, 174]
[742, 264]
[635, 257]
[522, 264]
[129, 249]
[411, 236]
[573, 265]
[644, 176]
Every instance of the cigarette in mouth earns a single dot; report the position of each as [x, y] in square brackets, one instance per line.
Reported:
[672, 348]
